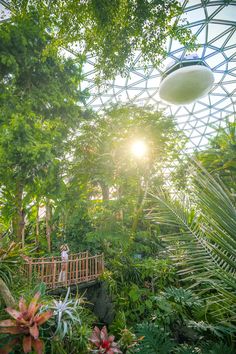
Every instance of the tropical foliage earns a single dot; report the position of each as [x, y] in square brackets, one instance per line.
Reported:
[205, 238]
[220, 157]
[68, 174]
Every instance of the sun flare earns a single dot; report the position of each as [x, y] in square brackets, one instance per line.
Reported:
[139, 148]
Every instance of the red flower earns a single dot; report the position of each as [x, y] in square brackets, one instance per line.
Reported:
[103, 342]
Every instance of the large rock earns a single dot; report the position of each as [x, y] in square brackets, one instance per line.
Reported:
[100, 301]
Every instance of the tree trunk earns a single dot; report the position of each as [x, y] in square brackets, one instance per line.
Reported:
[121, 211]
[6, 294]
[48, 224]
[139, 207]
[22, 224]
[37, 226]
[105, 191]
[19, 217]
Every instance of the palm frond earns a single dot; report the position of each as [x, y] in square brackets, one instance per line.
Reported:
[204, 244]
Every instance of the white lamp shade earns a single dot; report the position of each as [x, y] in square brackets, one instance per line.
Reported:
[186, 85]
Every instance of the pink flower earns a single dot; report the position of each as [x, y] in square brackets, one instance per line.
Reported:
[26, 321]
[103, 342]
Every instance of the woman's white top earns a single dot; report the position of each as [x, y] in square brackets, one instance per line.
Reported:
[64, 256]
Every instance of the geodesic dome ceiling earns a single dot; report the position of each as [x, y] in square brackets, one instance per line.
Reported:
[214, 24]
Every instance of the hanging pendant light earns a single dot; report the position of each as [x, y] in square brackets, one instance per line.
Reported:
[186, 81]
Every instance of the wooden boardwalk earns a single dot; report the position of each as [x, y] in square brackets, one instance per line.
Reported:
[80, 268]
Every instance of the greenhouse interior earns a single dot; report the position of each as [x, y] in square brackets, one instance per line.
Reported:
[118, 176]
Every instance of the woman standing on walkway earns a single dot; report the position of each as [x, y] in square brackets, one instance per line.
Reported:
[64, 257]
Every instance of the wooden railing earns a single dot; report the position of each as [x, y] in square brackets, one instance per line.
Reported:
[79, 268]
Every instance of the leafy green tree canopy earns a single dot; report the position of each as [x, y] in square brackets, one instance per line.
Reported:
[39, 98]
[103, 149]
[112, 31]
[220, 157]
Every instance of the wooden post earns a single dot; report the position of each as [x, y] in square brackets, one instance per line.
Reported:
[96, 265]
[87, 268]
[66, 273]
[102, 259]
[54, 273]
[37, 225]
[42, 269]
[76, 269]
[69, 271]
[30, 269]
[48, 225]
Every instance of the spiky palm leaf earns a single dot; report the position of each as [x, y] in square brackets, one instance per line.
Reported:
[204, 243]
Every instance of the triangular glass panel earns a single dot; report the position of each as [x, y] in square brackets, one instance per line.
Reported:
[218, 90]
[217, 77]
[120, 81]
[106, 99]
[230, 52]
[84, 85]
[201, 37]
[132, 94]
[95, 101]
[201, 130]
[122, 97]
[196, 28]
[132, 78]
[181, 111]
[211, 10]
[87, 68]
[222, 104]
[214, 99]
[221, 40]
[196, 15]
[144, 95]
[232, 40]
[221, 67]
[141, 84]
[231, 65]
[215, 60]
[230, 87]
[226, 14]
[199, 106]
[209, 51]
[202, 114]
[204, 141]
[192, 3]
[209, 130]
[153, 83]
[214, 30]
